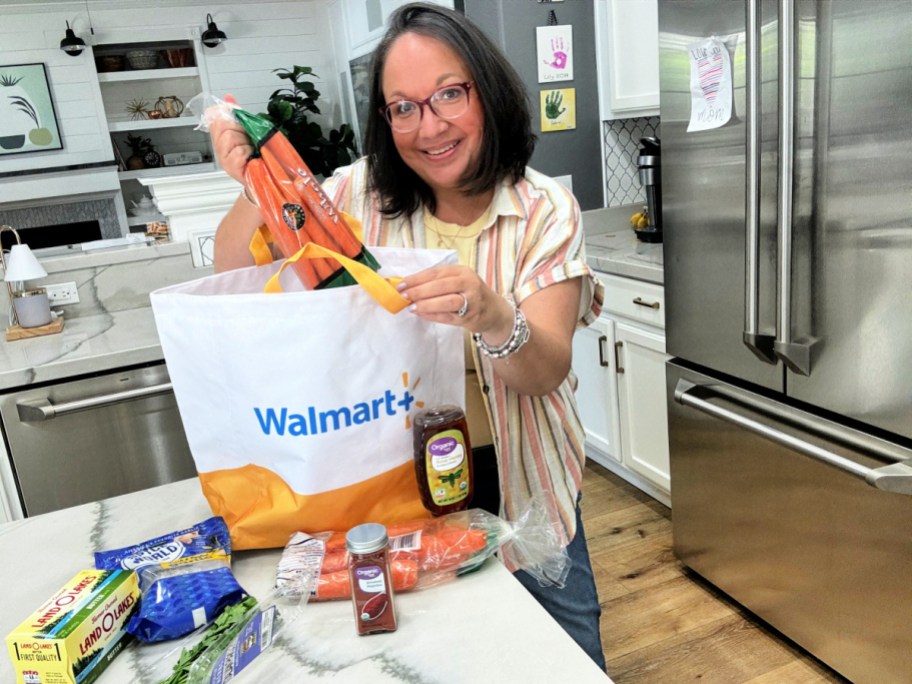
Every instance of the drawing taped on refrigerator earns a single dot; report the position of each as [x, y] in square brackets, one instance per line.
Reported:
[788, 252]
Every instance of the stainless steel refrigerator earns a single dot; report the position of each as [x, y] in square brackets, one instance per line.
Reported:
[788, 281]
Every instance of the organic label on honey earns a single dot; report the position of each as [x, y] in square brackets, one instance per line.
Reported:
[447, 469]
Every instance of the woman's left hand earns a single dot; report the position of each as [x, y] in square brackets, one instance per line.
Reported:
[441, 294]
[455, 295]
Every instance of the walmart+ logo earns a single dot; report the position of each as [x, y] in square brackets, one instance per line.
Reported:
[314, 421]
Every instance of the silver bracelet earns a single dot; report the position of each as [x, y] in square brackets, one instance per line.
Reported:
[247, 197]
[518, 337]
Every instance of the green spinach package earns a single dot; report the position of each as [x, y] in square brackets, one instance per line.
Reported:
[185, 578]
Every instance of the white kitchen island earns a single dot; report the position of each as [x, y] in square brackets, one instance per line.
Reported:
[482, 627]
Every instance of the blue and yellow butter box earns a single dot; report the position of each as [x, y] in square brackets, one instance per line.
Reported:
[76, 633]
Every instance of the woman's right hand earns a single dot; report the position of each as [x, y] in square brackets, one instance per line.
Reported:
[231, 144]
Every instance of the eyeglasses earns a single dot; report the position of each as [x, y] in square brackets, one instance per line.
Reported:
[449, 102]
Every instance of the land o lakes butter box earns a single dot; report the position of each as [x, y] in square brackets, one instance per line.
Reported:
[73, 636]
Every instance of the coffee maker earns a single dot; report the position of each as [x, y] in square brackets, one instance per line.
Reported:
[649, 166]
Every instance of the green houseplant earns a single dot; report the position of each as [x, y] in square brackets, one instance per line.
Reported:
[290, 110]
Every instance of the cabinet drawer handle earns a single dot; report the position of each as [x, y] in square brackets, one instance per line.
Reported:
[617, 358]
[640, 302]
[601, 341]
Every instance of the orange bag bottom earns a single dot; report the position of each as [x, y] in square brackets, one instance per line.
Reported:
[262, 510]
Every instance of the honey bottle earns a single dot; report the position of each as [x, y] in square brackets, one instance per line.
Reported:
[443, 459]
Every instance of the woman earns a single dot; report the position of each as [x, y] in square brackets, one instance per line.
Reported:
[447, 143]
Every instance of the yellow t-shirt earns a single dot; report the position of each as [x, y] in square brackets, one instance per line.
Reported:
[442, 235]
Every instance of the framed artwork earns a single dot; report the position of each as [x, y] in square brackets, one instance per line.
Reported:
[28, 122]
[554, 50]
[558, 109]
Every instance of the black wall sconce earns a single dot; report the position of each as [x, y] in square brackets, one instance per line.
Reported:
[212, 36]
[72, 44]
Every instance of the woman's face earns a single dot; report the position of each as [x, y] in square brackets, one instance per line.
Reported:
[439, 150]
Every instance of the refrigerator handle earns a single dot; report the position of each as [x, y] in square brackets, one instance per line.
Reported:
[760, 345]
[895, 477]
[796, 354]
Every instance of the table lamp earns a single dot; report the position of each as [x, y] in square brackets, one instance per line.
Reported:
[31, 308]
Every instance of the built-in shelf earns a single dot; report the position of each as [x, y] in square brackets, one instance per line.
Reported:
[163, 171]
[147, 74]
[151, 124]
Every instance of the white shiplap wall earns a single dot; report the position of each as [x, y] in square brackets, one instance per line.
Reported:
[28, 37]
[262, 36]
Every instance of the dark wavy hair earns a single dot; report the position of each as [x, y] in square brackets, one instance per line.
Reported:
[507, 142]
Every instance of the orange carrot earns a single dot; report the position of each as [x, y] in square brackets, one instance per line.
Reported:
[310, 272]
[335, 585]
[441, 546]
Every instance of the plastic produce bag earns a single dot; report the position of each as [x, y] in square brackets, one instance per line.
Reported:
[233, 641]
[426, 552]
[185, 578]
[290, 199]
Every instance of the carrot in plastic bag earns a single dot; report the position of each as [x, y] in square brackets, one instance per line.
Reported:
[335, 585]
[295, 208]
[442, 548]
[423, 552]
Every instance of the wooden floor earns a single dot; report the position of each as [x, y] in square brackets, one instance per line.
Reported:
[661, 623]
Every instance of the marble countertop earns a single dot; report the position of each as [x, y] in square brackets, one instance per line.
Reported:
[482, 627]
[87, 344]
[612, 246]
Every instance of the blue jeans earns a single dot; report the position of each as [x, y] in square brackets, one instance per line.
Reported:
[575, 607]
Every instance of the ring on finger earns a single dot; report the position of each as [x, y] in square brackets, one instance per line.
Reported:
[464, 309]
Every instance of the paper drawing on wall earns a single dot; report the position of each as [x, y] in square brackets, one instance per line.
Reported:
[554, 49]
[558, 109]
[27, 119]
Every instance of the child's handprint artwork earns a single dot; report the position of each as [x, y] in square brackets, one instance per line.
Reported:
[554, 49]
[559, 57]
[553, 103]
[558, 109]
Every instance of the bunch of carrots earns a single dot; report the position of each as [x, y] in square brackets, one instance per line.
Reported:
[295, 207]
[423, 553]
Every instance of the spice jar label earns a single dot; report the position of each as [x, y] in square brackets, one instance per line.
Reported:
[370, 579]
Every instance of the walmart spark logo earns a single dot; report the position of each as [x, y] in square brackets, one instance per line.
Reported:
[317, 421]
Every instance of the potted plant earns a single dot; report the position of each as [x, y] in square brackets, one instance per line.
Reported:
[290, 110]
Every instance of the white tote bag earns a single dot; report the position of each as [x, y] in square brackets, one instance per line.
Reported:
[297, 405]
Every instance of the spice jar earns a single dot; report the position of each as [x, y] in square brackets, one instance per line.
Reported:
[443, 459]
[369, 575]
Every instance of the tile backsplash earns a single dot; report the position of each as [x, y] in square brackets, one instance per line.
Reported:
[622, 144]
[101, 210]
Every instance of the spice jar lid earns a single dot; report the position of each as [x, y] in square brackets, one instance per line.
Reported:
[366, 538]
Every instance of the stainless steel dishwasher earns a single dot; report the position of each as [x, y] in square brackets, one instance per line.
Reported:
[94, 437]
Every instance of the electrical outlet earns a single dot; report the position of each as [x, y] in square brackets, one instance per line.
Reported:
[62, 293]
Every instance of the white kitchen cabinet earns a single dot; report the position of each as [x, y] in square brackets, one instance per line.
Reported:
[627, 58]
[620, 363]
[366, 21]
[641, 397]
[596, 393]
[10, 509]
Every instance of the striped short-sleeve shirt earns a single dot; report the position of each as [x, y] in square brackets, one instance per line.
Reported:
[534, 239]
